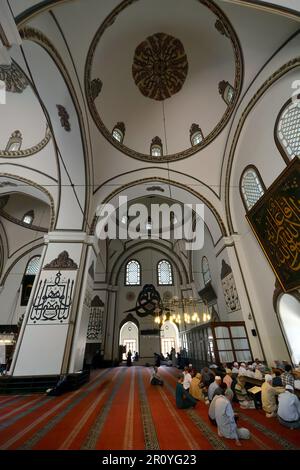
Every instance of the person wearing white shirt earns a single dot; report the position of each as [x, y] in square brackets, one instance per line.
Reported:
[235, 368]
[258, 374]
[242, 369]
[289, 408]
[187, 379]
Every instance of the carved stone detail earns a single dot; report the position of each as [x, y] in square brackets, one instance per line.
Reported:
[95, 87]
[63, 261]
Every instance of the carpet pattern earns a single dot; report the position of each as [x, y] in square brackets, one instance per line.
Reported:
[119, 409]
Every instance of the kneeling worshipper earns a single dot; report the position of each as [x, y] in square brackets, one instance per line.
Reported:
[225, 418]
[195, 388]
[183, 398]
[241, 393]
[214, 388]
[155, 378]
[268, 396]
[288, 413]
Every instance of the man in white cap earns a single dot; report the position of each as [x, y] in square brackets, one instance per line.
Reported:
[235, 368]
[268, 397]
[223, 413]
[288, 413]
[242, 369]
[214, 388]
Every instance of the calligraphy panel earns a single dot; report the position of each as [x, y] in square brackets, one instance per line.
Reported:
[275, 221]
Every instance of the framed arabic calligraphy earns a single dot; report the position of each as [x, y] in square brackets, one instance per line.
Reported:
[275, 221]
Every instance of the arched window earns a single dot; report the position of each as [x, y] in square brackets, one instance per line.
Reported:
[118, 132]
[226, 91]
[205, 270]
[156, 148]
[196, 134]
[288, 308]
[28, 218]
[33, 265]
[31, 271]
[15, 142]
[133, 273]
[251, 187]
[164, 273]
[287, 129]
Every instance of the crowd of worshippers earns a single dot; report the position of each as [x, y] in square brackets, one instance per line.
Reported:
[219, 386]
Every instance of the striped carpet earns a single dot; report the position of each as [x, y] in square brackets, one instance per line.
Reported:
[119, 410]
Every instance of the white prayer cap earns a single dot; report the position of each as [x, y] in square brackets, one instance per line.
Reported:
[190, 365]
[217, 377]
[243, 364]
[268, 378]
[289, 387]
[236, 364]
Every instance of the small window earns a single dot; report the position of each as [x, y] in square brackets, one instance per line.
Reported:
[226, 91]
[251, 187]
[156, 149]
[133, 273]
[196, 134]
[287, 129]
[205, 271]
[28, 218]
[118, 132]
[31, 271]
[15, 142]
[164, 272]
[33, 266]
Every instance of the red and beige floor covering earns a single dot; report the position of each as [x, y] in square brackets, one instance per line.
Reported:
[119, 409]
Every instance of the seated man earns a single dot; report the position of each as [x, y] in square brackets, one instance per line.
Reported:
[215, 388]
[226, 419]
[268, 396]
[241, 393]
[155, 378]
[288, 413]
[287, 378]
[187, 379]
[196, 389]
[183, 398]
[277, 382]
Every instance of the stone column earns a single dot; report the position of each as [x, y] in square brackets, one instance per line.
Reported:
[53, 335]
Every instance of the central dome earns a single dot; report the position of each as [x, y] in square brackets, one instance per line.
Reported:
[162, 78]
[160, 66]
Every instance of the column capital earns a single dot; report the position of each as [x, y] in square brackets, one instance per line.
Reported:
[66, 236]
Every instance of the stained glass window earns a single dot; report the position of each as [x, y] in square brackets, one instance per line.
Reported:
[288, 129]
[133, 273]
[164, 272]
[118, 132]
[251, 187]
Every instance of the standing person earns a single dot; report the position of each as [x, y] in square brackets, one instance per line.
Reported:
[183, 398]
[173, 357]
[129, 355]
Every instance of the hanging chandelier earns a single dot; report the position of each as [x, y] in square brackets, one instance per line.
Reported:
[182, 311]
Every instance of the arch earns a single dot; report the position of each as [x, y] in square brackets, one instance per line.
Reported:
[251, 186]
[169, 337]
[287, 123]
[284, 69]
[132, 251]
[129, 337]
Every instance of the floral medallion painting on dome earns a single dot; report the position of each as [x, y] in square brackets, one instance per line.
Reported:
[160, 66]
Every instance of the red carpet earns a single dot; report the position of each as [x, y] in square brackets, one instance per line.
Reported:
[118, 409]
